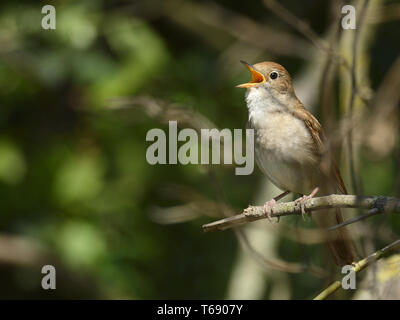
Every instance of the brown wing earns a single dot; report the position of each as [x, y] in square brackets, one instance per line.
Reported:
[317, 133]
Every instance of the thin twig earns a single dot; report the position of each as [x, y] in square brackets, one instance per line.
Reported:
[276, 263]
[306, 30]
[370, 213]
[360, 265]
[253, 213]
[300, 25]
[353, 174]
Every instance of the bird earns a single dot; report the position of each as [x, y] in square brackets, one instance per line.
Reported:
[291, 149]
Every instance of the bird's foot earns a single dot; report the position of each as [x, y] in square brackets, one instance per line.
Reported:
[268, 209]
[302, 201]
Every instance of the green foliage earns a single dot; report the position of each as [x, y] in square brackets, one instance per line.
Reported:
[12, 163]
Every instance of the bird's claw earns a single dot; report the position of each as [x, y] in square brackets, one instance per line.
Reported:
[268, 209]
[302, 201]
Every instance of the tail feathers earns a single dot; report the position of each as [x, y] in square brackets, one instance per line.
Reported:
[339, 241]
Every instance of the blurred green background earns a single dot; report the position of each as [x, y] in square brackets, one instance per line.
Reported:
[76, 190]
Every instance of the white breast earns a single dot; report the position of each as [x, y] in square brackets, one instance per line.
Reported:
[282, 143]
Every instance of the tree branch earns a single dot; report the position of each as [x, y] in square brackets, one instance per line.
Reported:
[353, 175]
[360, 265]
[310, 34]
[253, 213]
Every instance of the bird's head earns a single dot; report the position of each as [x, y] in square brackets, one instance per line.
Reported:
[270, 76]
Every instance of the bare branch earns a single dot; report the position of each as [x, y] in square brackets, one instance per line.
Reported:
[360, 265]
[370, 213]
[353, 174]
[240, 27]
[253, 213]
[304, 28]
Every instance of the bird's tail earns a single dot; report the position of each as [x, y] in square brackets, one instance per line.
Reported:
[339, 241]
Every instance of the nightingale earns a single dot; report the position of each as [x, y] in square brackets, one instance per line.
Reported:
[292, 151]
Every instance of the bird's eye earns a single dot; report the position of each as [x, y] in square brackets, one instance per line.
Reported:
[273, 75]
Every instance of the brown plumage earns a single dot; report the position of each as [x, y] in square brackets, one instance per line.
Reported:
[291, 147]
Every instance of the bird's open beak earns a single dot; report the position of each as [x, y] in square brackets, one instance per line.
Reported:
[256, 77]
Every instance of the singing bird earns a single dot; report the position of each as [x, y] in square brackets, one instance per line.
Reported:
[292, 151]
